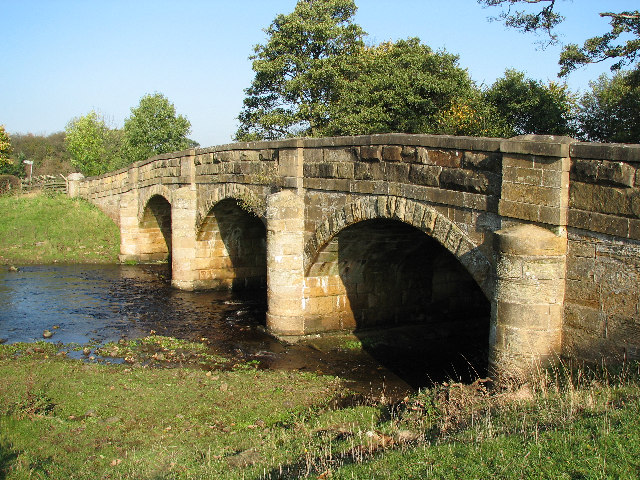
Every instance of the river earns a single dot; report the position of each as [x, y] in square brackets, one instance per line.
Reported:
[95, 304]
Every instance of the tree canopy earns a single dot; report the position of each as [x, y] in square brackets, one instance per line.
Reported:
[94, 147]
[153, 128]
[530, 106]
[403, 86]
[610, 112]
[542, 15]
[297, 69]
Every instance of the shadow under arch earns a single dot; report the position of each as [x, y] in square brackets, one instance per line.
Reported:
[155, 229]
[423, 217]
[235, 242]
[417, 289]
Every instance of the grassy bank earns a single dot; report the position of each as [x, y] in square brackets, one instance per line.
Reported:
[62, 418]
[45, 228]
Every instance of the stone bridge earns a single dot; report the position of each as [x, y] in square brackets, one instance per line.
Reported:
[528, 245]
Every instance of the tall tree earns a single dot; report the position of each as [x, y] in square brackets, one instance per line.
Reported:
[542, 15]
[610, 112]
[94, 147]
[153, 128]
[297, 70]
[529, 106]
[405, 86]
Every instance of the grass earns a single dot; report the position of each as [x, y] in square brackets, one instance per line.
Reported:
[52, 228]
[62, 418]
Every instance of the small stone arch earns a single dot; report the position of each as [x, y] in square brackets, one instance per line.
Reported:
[423, 217]
[251, 197]
[148, 194]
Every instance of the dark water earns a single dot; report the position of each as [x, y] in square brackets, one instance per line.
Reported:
[97, 304]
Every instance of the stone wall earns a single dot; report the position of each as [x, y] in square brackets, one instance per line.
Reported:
[602, 301]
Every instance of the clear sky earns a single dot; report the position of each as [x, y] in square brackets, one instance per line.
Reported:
[63, 58]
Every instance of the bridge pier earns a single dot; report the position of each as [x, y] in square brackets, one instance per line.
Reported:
[285, 264]
[527, 307]
[184, 208]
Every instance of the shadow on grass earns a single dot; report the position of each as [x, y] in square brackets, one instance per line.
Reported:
[7, 457]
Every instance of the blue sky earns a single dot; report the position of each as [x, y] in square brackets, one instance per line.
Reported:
[63, 58]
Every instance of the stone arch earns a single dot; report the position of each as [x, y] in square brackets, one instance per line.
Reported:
[148, 193]
[423, 217]
[251, 197]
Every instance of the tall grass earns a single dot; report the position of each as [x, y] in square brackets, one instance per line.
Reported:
[49, 228]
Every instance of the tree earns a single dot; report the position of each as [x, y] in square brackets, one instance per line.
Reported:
[610, 111]
[5, 147]
[154, 128]
[297, 70]
[406, 87]
[48, 153]
[94, 147]
[608, 46]
[529, 106]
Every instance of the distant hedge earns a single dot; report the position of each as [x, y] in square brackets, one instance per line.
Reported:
[8, 183]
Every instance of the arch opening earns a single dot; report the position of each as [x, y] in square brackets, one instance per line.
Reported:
[155, 231]
[411, 303]
[231, 249]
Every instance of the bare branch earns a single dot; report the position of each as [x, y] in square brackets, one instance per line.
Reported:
[626, 16]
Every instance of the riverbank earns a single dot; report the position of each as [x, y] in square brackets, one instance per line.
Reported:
[63, 418]
[43, 228]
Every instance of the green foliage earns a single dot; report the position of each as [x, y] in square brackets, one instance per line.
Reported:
[297, 70]
[48, 154]
[400, 87]
[620, 44]
[606, 47]
[154, 128]
[610, 112]
[529, 106]
[5, 146]
[94, 147]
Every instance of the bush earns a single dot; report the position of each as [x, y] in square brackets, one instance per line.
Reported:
[9, 183]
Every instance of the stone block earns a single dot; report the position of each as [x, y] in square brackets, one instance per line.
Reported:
[371, 153]
[491, 162]
[392, 153]
[444, 158]
[425, 175]
[528, 317]
[397, 172]
[552, 197]
[409, 154]
[464, 180]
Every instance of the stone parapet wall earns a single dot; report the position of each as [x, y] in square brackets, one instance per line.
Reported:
[605, 189]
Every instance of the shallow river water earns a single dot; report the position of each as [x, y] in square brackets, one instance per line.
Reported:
[97, 304]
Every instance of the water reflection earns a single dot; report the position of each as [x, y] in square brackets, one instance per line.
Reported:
[91, 303]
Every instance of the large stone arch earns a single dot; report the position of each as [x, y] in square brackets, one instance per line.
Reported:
[150, 192]
[423, 217]
[251, 197]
